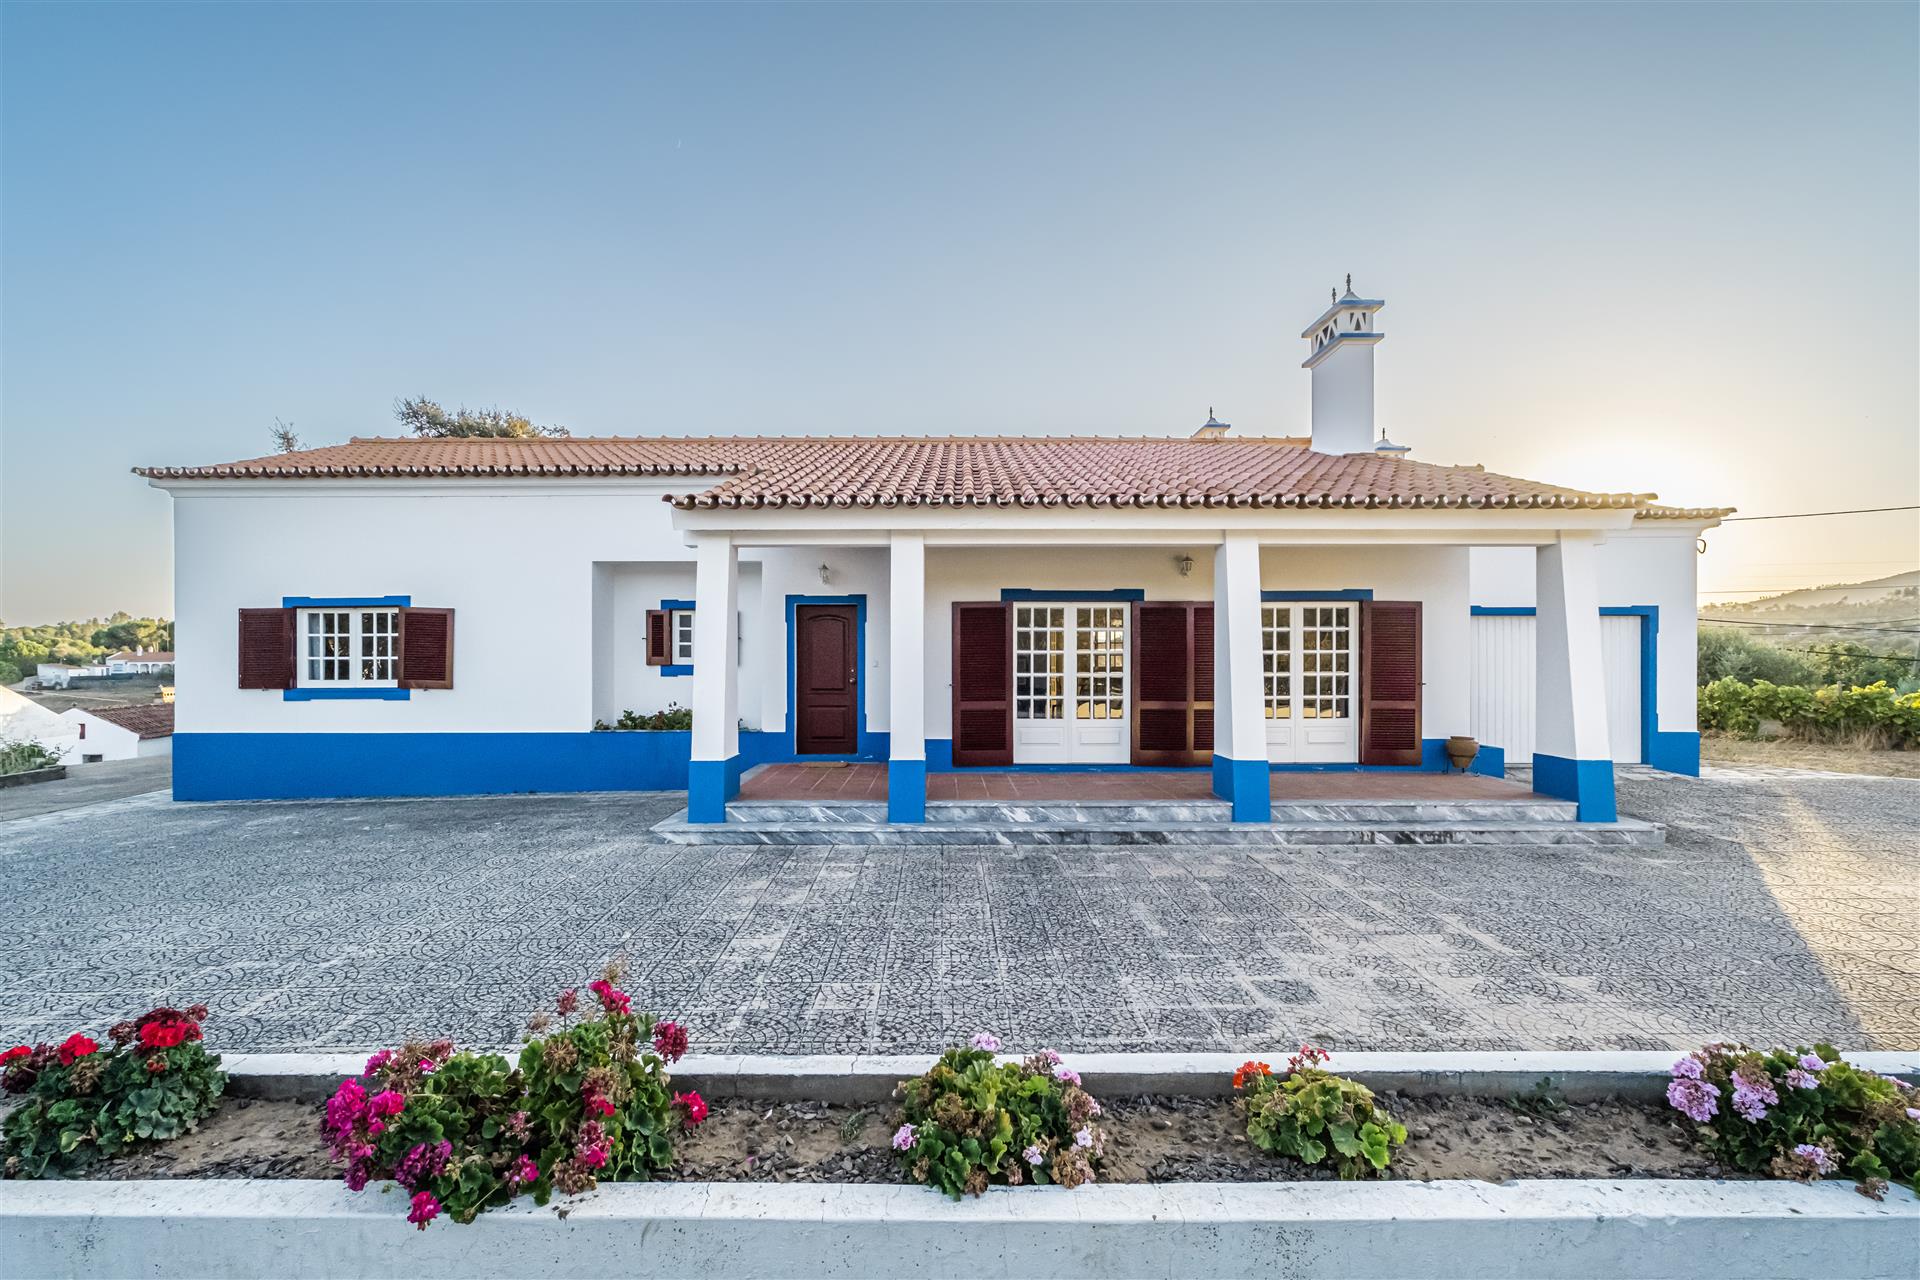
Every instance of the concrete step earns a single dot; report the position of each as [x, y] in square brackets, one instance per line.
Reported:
[1111, 812]
[677, 830]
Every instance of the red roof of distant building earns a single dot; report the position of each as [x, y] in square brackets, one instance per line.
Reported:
[149, 719]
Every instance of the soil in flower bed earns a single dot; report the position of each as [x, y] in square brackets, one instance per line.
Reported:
[1158, 1138]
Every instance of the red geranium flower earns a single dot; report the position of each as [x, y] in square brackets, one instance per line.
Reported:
[1249, 1071]
[76, 1047]
[14, 1054]
[696, 1105]
[670, 1040]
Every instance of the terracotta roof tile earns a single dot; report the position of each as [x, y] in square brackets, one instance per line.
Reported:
[149, 719]
[890, 471]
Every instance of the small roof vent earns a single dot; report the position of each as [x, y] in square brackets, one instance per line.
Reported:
[1388, 449]
[1212, 428]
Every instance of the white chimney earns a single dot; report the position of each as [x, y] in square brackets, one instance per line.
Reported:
[1341, 342]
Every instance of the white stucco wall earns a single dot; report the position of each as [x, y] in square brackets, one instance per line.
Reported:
[1655, 566]
[518, 569]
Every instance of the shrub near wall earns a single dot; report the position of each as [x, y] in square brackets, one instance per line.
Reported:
[1875, 711]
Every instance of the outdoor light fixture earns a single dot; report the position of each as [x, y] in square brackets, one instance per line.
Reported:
[1184, 563]
[826, 574]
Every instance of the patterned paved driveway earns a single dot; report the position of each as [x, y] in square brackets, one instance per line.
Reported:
[1784, 908]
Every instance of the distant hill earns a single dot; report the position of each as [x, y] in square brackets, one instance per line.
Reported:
[1890, 590]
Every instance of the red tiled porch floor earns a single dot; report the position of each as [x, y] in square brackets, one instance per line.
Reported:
[869, 782]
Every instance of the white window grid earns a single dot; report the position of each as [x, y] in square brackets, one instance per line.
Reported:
[681, 621]
[1039, 662]
[1326, 647]
[1276, 646]
[348, 647]
[1100, 662]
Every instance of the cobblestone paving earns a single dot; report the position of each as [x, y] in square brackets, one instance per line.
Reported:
[1783, 908]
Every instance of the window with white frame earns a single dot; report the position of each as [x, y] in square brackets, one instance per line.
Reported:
[343, 647]
[680, 628]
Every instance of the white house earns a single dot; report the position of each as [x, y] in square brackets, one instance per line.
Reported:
[120, 733]
[24, 720]
[936, 603]
[139, 662]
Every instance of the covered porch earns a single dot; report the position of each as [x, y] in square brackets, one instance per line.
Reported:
[1243, 661]
[858, 782]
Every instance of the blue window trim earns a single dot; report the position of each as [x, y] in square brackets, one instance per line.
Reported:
[344, 602]
[1028, 595]
[319, 694]
[676, 606]
[1654, 749]
[1350, 593]
[863, 745]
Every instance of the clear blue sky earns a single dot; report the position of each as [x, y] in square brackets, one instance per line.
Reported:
[1663, 247]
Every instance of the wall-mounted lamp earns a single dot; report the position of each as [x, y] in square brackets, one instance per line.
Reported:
[826, 574]
[1184, 563]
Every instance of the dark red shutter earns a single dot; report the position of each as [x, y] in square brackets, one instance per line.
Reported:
[1172, 683]
[426, 648]
[982, 684]
[266, 648]
[1390, 682]
[659, 638]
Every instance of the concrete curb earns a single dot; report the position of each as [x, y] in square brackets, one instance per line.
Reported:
[1541, 1230]
[1577, 1076]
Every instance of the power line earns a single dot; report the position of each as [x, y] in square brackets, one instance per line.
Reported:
[1808, 515]
[1820, 626]
[1884, 657]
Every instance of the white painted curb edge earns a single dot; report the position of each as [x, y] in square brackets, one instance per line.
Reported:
[1577, 1076]
[1541, 1229]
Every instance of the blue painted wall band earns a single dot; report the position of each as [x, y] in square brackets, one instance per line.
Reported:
[345, 602]
[1350, 593]
[321, 693]
[1024, 595]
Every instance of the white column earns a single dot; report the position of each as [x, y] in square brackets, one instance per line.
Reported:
[1572, 756]
[906, 679]
[1239, 725]
[713, 775]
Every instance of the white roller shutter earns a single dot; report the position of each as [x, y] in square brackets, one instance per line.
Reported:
[1503, 684]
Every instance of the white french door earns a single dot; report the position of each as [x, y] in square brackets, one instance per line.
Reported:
[1070, 684]
[1311, 661]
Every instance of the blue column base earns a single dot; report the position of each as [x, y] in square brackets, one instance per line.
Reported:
[1676, 751]
[1245, 784]
[710, 784]
[1588, 783]
[906, 791]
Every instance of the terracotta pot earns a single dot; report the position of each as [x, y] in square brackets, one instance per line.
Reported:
[1461, 751]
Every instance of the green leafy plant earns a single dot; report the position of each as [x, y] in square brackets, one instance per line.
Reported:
[1876, 712]
[588, 1100]
[24, 757]
[83, 1104]
[1799, 1113]
[1315, 1116]
[674, 717]
[972, 1121]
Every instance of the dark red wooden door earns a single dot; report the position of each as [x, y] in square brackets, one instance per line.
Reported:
[826, 680]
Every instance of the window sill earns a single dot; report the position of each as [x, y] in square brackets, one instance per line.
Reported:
[346, 695]
[677, 670]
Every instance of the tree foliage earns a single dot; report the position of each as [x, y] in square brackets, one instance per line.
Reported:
[425, 418]
[81, 642]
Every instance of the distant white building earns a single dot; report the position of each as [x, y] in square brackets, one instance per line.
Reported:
[24, 720]
[58, 675]
[120, 733]
[140, 662]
